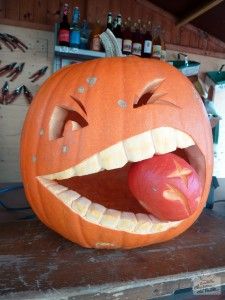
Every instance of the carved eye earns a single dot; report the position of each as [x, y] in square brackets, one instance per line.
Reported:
[150, 96]
[64, 119]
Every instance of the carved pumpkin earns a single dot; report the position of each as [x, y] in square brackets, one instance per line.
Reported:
[88, 123]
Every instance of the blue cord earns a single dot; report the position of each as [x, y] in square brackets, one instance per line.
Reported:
[13, 208]
[9, 189]
[29, 217]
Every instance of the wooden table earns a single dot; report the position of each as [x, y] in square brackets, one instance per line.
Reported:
[36, 262]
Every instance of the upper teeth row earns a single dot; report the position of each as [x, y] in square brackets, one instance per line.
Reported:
[139, 147]
[110, 218]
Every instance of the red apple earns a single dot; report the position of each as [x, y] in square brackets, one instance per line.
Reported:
[166, 186]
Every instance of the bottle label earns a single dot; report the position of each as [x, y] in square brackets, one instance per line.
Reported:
[65, 9]
[148, 47]
[96, 44]
[163, 55]
[156, 51]
[127, 45]
[136, 49]
[119, 42]
[64, 35]
[76, 16]
[75, 38]
[110, 19]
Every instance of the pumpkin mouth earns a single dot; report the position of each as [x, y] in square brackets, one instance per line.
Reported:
[96, 189]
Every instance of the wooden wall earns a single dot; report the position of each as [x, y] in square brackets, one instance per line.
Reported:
[42, 14]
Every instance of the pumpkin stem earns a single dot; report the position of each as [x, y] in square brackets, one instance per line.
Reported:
[110, 44]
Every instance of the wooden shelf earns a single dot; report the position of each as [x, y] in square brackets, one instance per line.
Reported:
[51, 266]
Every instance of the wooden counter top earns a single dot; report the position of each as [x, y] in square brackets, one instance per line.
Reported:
[35, 261]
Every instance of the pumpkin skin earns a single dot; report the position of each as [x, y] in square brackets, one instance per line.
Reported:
[105, 92]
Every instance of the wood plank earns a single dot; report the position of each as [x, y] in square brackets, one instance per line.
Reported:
[167, 29]
[184, 36]
[174, 33]
[114, 7]
[27, 10]
[12, 9]
[201, 32]
[156, 9]
[219, 48]
[126, 9]
[194, 38]
[40, 12]
[157, 19]
[91, 11]
[82, 6]
[25, 24]
[53, 11]
[136, 11]
[2, 8]
[147, 14]
[211, 45]
[102, 9]
[51, 266]
[202, 43]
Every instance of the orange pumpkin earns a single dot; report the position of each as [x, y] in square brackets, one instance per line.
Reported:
[87, 124]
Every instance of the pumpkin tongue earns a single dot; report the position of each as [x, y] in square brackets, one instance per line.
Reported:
[166, 186]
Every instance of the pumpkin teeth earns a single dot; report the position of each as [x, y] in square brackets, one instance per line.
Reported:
[164, 140]
[109, 218]
[139, 147]
[160, 140]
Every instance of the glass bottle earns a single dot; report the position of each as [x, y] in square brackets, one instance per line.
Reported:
[118, 31]
[147, 47]
[75, 29]
[109, 21]
[136, 39]
[142, 36]
[95, 43]
[156, 48]
[127, 38]
[163, 45]
[64, 28]
[84, 35]
[114, 26]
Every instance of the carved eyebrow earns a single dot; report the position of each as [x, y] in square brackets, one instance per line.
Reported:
[150, 96]
[79, 103]
[158, 99]
[149, 89]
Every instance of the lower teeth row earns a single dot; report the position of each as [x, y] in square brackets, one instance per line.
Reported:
[110, 218]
